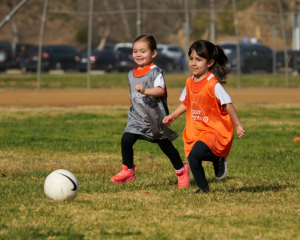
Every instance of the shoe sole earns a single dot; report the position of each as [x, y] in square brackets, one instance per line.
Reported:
[188, 170]
[225, 171]
[127, 180]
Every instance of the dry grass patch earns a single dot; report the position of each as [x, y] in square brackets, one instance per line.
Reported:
[26, 112]
[24, 161]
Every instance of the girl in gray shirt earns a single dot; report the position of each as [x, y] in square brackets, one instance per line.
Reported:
[148, 95]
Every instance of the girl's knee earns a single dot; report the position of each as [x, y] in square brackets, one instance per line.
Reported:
[128, 140]
[197, 155]
[199, 150]
[193, 161]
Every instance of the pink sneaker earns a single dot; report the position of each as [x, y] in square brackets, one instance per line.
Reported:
[125, 175]
[183, 176]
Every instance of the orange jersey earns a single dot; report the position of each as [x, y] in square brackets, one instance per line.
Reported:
[205, 121]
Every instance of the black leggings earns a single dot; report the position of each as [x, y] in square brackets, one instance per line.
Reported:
[165, 145]
[199, 153]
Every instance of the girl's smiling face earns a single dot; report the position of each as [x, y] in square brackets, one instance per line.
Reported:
[199, 65]
[142, 54]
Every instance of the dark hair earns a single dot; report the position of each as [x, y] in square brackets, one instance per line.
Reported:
[210, 51]
[150, 40]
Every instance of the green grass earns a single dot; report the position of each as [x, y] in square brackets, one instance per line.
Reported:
[258, 200]
[111, 80]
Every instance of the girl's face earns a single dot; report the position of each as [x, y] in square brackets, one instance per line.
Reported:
[142, 55]
[199, 65]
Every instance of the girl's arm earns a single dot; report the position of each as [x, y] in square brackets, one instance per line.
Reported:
[152, 92]
[178, 111]
[235, 119]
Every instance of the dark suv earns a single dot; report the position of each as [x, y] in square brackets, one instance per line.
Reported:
[124, 60]
[53, 57]
[252, 56]
[100, 60]
[9, 54]
[165, 62]
[5, 55]
[293, 57]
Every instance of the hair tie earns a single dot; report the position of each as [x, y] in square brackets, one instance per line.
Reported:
[216, 50]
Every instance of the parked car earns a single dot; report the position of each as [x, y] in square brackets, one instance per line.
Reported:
[123, 59]
[9, 54]
[100, 60]
[53, 57]
[5, 55]
[107, 46]
[293, 59]
[174, 52]
[122, 45]
[252, 56]
[166, 63]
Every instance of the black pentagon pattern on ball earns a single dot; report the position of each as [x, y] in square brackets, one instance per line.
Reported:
[75, 187]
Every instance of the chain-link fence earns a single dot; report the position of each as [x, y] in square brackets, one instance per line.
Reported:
[237, 25]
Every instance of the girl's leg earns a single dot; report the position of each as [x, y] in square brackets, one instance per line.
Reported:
[182, 169]
[168, 148]
[220, 163]
[127, 142]
[128, 172]
[199, 153]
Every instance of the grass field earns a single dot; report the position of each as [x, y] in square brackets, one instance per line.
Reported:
[260, 198]
[29, 81]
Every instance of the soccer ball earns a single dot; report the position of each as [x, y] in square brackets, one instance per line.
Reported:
[61, 185]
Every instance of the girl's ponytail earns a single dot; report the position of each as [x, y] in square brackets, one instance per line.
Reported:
[220, 68]
[210, 51]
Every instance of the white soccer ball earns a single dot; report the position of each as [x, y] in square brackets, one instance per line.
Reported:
[61, 185]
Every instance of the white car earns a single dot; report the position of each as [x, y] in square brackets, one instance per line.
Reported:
[173, 51]
[121, 45]
[170, 50]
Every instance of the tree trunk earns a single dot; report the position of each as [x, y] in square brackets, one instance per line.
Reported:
[103, 37]
[125, 21]
[13, 25]
[14, 31]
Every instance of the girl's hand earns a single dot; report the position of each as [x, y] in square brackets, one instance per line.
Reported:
[168, 120]
[178, 111]
[140, 88]
[240, 132]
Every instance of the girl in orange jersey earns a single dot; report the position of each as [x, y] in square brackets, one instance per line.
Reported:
[148, 95]
[210, 114]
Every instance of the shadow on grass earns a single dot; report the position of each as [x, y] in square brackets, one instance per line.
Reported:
[213, 180]
[258, 188]
[253, 189]
[120, 234]
[42, 233]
